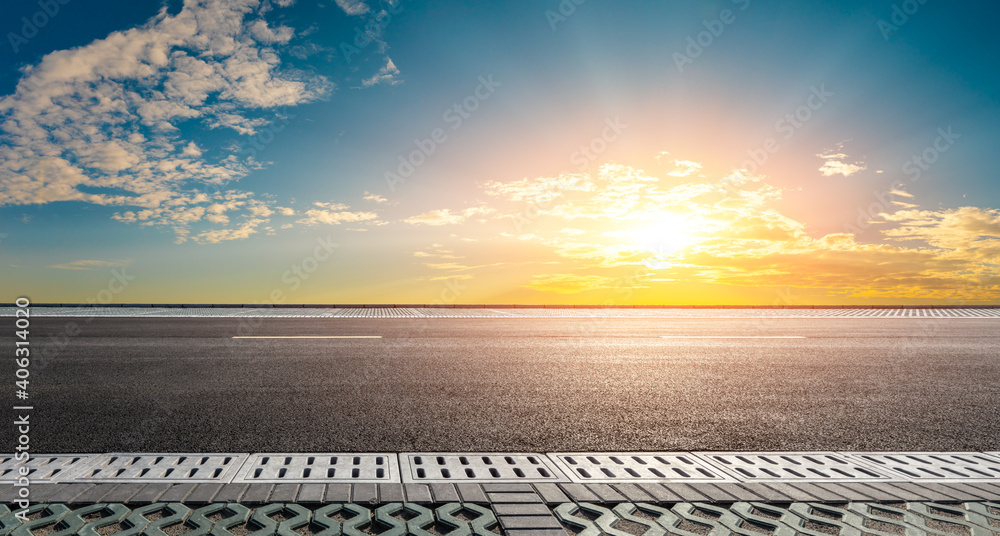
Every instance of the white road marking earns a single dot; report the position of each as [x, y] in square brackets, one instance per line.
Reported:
[315, 337]
[732, 337]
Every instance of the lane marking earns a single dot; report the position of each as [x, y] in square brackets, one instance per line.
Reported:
[312, 337]
[732, 337]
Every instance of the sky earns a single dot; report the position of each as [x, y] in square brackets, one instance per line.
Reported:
[562, 152]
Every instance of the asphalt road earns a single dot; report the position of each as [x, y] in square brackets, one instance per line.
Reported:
[540, 385]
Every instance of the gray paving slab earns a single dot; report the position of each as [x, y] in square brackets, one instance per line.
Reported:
[150, 493]
[659, 492]
[311, 493]
[790, 493]
[121, 493]
[417, 493]
[231, 493]
[514, 497]
[42, 492]
[739, 491]
[606, 494]
[972, 491]
[257, 493]
[927, 492]
[822, 492]
[176, 493]
[550, 493]
[443, 493]
[390, 493]
[364, 493]
[338, 493]
[632, 492]
[767, 492]
[521, 509]
[685, 491]
[579, 493]
[68, 493]
[287, 492]
[473, 493]
[866, 491]
[203, 493]
[713, 493]
[529, 522]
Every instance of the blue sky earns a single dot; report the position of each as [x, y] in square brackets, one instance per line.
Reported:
[206, 148]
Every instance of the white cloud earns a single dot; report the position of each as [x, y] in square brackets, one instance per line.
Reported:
[836, 163]
[336, 214]
[386, 75]
[100, 123]
[353, 7]
[447, 217]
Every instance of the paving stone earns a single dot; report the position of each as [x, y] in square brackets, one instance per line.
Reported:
[149, 493]
[176, 493]
[632, 492]
[529, 522]
[284, 493]
[971, 491]
[42, 492]
[390, 493]
[203, 493]
[444, 493]
[713, 493]
[231, 493]
[364, 493]
[928, 491]
[337, 493]
[257, 493]
[659, 493]
[473, 493]
[69, 492]
[740, 492]
[579, 493]
[417, 493]
[822, 493]
[121, 493]
[514, 497]
[766, 492]
[685, 491]
[311, 493]
[551, 494]
[606, 494]
[522, 509]
[862, 492]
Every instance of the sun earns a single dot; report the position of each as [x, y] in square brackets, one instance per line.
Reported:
[662, 238]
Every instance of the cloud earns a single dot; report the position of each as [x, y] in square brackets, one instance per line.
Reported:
[725, 230]
[570, 283]
[336, 214]
[836, 163]
[375, 198]
[89, 265]
[447, 217]
[103, 123]
[388, 75]
[353, 7]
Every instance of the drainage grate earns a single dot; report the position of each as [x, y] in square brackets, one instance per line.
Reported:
[482, 467]
[925, 466]
[360, 468]
[636, 466]
[776, 466]
[160, 468]
[41, 468]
